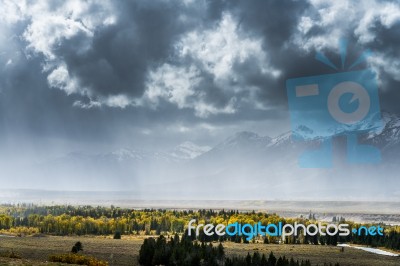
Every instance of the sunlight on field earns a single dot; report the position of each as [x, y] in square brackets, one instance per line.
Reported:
[126, 250]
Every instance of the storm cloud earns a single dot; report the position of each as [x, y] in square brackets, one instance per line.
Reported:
[93, 75]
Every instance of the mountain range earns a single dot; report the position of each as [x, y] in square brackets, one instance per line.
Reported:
[243, 166]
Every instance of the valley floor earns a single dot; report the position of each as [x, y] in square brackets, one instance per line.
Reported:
[36, 250]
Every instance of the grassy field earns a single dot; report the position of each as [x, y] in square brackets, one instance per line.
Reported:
[36, 250]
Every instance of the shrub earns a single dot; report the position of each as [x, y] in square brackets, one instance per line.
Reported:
[70, 258]
[10, 254]
[77, 247]
[21, 231]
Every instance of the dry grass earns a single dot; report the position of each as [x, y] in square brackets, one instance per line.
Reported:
[116, 252]
[126, 250]
[24, 262]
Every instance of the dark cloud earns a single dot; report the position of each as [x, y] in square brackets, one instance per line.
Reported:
[115, 58]
[121, 54]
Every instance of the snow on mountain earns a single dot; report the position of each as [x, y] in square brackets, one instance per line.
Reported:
[240, 143]
[243, 139]
[284, 138]
[127, 154]
[389, 136]
[188, 150]
[247, 160]
[391, 120]
[184, 151]
[383, 135]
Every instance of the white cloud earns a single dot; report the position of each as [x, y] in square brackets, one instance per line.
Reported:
[10, 12]
[49, 26]
[172, 83]
[89, 105]
[214, 52]
[120, 101]
[218, 49]
[59, 78]
[45, 34]
[337, 18]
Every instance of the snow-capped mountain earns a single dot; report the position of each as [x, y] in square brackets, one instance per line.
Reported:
[282, 139]
[188, 150]
[124, 154]
[243, 139]
[389, 136]
[240, 146]
[241, 163]
[184, 151]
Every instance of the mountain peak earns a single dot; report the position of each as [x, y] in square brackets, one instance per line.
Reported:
[126, 154]
[246, 135]
[189, 150]
[390, 119]
[243, 138]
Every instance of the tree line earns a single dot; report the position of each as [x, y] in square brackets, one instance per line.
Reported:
[88, 220]
[185, 251]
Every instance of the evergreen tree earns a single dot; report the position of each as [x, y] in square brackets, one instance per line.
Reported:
[248, 259]
[117, 235]
[77, 247]
[271, 259]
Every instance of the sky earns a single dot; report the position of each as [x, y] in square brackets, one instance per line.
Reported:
[95, 76]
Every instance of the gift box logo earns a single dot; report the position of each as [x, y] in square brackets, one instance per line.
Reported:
[324, 106]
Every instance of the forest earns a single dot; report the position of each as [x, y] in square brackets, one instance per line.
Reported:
[184, 251]
[24, 219]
